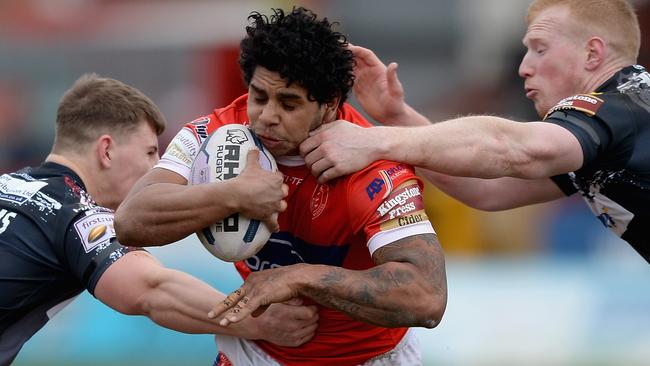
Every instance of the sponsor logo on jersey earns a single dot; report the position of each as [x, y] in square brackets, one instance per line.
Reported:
[17, 190]
[236, 136]
[95, 229]
[411, 219]
[375, 187]
[176, 152]
[189, 143]
[21, 191]
[183, 149]
[284, 249]
[401, 210]
[405, 220]
[385, 181]
[96, 233]
[396, 171]
[586, 103]
[399, 198]
[403, 207]
[318, 200]
[201, 132]
[200, 128]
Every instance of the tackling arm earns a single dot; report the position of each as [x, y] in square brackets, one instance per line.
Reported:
[477, 146]
[179, 301]
[485, 147]
[407, 287]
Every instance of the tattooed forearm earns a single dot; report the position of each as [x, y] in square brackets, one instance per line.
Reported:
[406, 288]
[424, 252]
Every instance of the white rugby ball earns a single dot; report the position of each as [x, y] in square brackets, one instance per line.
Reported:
[222, 156]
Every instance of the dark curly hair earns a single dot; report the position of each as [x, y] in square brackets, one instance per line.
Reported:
[302, 49]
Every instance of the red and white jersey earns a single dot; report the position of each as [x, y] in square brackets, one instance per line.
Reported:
[340, 223]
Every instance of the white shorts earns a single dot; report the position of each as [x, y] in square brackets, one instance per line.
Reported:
[242, 352]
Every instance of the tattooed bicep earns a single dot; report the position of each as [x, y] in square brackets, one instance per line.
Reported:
[413, 249]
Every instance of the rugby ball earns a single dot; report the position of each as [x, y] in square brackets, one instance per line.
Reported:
[222, 156]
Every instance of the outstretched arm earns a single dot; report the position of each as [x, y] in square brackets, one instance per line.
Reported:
[476, 146]
[407, 287]
[161, 208]
[179, 301]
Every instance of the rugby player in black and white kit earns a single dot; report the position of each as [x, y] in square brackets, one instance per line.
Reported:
[57, 237]
[579, 71]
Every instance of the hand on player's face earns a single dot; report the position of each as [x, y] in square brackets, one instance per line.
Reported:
[261, 192]
[337, 149]
[259, 291]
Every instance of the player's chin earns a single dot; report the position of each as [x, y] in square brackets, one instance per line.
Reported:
[283, 149]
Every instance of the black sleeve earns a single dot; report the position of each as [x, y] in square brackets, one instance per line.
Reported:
[605, 135]
[592, 134]
[90, 246]
[564, 183]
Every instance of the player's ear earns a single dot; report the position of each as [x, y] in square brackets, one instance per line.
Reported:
[331, 110]
[596, 53]
[103, 148]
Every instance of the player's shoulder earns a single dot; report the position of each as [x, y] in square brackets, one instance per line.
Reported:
[48, 189]
[588, 104]
[602, 106]
[235, 112]
[380, 178]
[92, 225]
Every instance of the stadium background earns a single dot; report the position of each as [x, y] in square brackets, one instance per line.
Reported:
[543, 285]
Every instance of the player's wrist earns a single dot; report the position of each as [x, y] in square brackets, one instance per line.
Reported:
[233, 196]
[383, 146]
[311, 280]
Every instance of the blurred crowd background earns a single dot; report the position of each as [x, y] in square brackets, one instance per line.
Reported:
[542, 285]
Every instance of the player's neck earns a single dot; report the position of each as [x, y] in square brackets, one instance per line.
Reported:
[607, 71]
[73, 165]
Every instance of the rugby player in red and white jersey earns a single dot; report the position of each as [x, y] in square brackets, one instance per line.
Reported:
[360, 247]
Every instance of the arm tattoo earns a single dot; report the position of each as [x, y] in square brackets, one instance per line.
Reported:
[381, 295]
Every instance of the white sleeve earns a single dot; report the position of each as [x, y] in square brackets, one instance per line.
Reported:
[388, 236]
[180, 153]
